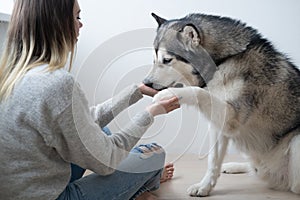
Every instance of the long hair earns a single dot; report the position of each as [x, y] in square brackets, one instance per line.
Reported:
[39, 32]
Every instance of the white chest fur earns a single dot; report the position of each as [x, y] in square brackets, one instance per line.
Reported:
[224, 87]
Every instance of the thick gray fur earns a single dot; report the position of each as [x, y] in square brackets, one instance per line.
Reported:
[262, 93]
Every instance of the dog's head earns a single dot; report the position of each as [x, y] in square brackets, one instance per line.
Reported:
[178, 56]
[171, 70]
[187, 49]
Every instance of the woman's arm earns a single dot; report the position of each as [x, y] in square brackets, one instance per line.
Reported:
[105, 112]
[79, 140]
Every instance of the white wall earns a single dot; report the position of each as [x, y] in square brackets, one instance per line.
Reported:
[6, 6]
[3, 29]
[115, 50]
[4, 18]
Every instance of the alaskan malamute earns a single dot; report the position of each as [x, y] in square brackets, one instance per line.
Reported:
[247, 89]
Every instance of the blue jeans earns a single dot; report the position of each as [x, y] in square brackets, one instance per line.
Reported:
[138, 173]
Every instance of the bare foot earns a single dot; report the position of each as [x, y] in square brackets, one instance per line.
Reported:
[167, 173]
[146, 196]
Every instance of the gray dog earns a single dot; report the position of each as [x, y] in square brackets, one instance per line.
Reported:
[247, 89]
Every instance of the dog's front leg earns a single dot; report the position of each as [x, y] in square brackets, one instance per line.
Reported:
[218, 144]
[221, 115]
[219, 112]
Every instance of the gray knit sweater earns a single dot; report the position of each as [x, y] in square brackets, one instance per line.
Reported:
[46, 124]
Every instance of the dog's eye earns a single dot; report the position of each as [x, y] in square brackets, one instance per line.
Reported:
[167, 60]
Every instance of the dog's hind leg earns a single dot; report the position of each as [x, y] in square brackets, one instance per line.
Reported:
[294, 163]
[215, 159]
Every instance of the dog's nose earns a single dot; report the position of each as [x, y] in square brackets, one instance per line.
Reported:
[148, 83]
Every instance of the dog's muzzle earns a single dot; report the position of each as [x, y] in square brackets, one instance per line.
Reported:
[161, 87]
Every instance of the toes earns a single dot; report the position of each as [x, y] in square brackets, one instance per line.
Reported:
[168, 172]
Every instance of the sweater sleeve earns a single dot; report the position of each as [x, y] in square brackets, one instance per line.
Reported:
[80, 140]
[104, 113]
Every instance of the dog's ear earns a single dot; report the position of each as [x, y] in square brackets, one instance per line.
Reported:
[159, 20]
[191, 34]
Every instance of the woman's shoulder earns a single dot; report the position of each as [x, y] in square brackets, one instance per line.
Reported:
[43, 72]
[41, 79]
[51, 87]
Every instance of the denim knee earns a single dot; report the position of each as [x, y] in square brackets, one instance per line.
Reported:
[144, 158]
[149, 150]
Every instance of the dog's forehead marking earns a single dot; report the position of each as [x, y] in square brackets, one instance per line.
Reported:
[164, 33]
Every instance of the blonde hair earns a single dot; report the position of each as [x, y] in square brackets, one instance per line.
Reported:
[40, 32]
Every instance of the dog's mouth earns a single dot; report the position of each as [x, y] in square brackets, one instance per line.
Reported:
[179, 85]
[162, 87]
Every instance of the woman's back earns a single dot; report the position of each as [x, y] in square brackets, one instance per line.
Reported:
[27, 125]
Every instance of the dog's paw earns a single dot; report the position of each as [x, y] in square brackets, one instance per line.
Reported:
[235, 168]
[199, 190]
[164, 94]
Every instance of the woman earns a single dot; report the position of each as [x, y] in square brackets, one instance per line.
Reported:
[46, 125]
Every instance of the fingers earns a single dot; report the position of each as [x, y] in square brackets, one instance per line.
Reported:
[173, 100]
[147, 90]
[164, 106]
[172, 107]
[170, 104]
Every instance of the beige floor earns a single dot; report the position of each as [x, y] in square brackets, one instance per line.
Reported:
[189, 170]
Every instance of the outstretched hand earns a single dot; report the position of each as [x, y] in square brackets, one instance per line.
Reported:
[147, 90]
[163, 106]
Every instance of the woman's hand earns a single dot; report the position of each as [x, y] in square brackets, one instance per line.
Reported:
[163, 106]
[147, 90]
